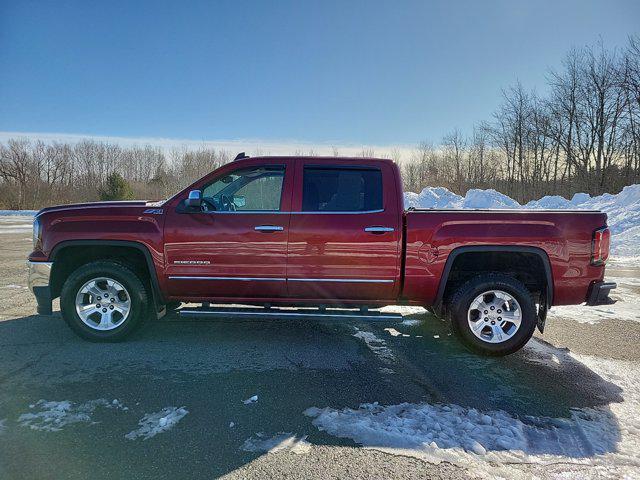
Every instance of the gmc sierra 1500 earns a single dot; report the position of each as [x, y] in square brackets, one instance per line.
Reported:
[311, 231]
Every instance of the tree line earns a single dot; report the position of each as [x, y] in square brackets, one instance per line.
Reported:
[36, 174]
[583, 135]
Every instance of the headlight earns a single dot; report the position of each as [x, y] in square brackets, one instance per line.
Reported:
[37, 234]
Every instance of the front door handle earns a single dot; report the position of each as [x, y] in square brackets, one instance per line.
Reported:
[268, 228]
[378, 230]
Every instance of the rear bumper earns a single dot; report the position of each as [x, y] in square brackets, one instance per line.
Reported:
[39, 276]
[599, 293]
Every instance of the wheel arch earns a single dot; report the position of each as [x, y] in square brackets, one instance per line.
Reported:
[457, 253]
[87, 250]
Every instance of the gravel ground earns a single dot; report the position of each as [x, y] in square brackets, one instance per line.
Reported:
[208, 368]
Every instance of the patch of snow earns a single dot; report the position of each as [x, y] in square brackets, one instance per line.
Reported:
[411, 322]
[3, 426]
[231, 424]
[250, 400]
[154, 423]
[260, 442]
[53, 416]
[393, 332]
[376, 345]
[487, 442]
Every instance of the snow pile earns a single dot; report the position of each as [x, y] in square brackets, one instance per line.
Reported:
[423, 427]
[260, 442]
[433, 197]
[622, 209]
[598, 436]
[440, 197]
[154, 423]
[54, 416]
[476, 198]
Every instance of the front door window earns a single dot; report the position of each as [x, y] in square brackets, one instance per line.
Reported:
[254, 189]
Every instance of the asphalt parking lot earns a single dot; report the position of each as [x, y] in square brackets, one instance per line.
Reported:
[179, 398]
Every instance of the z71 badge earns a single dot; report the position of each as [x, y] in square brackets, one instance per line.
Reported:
[154, 211]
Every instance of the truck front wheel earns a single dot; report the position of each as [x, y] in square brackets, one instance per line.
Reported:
[104, 301]
[493, 314]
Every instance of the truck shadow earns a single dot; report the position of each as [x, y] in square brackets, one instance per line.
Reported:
[210, 367]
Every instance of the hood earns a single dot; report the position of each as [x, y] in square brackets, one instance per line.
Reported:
[92, 205]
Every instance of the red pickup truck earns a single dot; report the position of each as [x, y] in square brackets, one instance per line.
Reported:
[315, 231]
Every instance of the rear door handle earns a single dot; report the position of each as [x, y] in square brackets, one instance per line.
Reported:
[378, 230]
[268, 228]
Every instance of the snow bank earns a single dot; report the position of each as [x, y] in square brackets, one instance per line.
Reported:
[476, 198]
[622, 209]
[154, 423]
[433, 197]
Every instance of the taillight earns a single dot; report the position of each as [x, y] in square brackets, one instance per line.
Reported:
[600, 246]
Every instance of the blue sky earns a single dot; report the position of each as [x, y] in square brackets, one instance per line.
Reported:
[360, 73]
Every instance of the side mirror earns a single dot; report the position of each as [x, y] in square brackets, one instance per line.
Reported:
[194, 200]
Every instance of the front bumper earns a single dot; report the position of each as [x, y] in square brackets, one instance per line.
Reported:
[39, 275]
[599, 293]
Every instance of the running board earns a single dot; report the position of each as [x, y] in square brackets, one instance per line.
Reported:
[292, 314]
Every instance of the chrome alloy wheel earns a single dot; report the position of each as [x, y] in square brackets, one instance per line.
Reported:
[103, 304]
[494, 316]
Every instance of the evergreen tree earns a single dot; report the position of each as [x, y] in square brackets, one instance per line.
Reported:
[116, 188]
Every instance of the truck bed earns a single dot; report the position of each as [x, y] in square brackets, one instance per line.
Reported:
[564, 237]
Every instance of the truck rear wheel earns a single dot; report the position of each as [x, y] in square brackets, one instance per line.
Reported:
[493, 314]
[104, 301]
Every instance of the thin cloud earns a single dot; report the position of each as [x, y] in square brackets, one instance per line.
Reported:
[250, 146]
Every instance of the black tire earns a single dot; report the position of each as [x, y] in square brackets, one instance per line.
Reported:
[126, 277]
[460, 302]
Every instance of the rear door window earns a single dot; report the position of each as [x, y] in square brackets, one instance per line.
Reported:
[337, 189]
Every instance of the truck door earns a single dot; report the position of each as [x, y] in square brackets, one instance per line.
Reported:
[344, 234]
[236, 246]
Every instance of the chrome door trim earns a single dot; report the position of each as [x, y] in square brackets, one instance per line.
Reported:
[340, 280]
[240, 279]
[280, 212]
[357, 212]
[274, 279]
